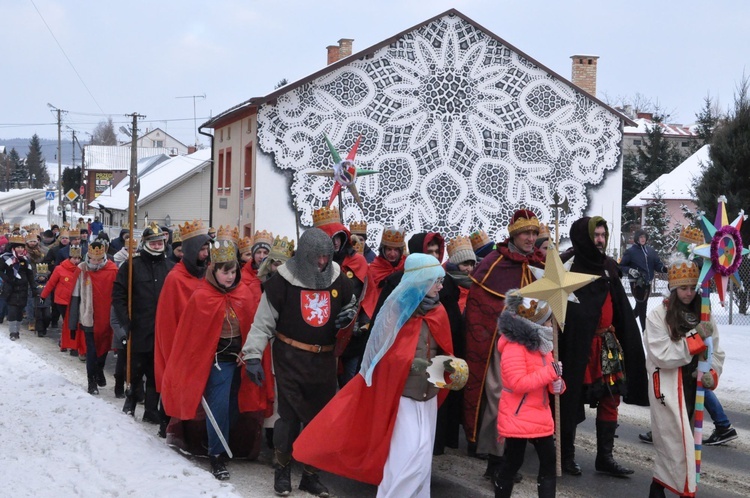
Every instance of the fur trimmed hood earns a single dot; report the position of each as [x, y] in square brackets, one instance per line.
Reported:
[522, 331]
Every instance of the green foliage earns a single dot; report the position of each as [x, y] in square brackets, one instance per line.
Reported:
[36, 164]
[71, 179]
[657, 224]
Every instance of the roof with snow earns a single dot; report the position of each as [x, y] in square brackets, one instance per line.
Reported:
[645, 124]
[155, 179]
[117, 158]
[676, 185]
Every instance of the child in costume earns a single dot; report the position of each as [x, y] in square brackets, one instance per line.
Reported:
[529, 375]
[61, 283]
[43, 311]
[18, 277]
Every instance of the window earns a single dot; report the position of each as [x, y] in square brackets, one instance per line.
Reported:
[685, 144]
[221, 135]
[247, 181]
[228, 171]
[220, 180]
[158, 143]
[636, 142]
[229, 132]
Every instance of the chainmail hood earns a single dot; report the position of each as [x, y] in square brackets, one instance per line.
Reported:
[303, 266]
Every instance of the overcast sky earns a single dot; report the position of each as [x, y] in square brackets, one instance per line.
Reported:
[124, 57]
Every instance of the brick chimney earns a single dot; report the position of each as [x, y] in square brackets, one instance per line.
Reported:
[340, 51]
[584, 72]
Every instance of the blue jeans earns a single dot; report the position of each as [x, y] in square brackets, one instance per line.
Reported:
[715, 410]
[221, 395]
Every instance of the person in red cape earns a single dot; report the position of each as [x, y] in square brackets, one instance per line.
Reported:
[261, 247]
[205, 359]
[391, 396]
[354, 266]
[506, 267]
[390, 259]
[61, 283]
[89, 310]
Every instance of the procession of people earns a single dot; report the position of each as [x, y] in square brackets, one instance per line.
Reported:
[223, 336]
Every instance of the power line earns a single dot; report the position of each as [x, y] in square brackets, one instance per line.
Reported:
[66, 56]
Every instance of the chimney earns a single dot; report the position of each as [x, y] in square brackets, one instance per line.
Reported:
[584, 72]
[340, 51]
[333, 53]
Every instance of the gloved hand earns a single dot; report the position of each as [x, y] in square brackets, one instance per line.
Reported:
[707, 380]
[633, 273]
[73, 334]
[41, 301]
[705, 329]
[557, 365]
[346, 314]
[448, 367]
[419, 365]
[557, 386]
[255, 371]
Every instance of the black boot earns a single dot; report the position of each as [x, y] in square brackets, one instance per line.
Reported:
[101, 380]
[151, 407]
[119, 386]
[218, 469]
[568, 453]
[311, 483]
[494, 464]
[269, 437]
[503, 487]
[129, 406]
[605, 441]
[282, 479]
[546, 486]
[93, 389]
[656, 490]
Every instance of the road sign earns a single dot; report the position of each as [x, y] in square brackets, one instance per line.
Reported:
[82, 190]
[49, 195]
[71, 195]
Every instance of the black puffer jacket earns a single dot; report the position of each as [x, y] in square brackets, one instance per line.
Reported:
[16, 290]
[149, 273]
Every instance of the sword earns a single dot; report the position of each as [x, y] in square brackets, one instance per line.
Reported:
[215, 425]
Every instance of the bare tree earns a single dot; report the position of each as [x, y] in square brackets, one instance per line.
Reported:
[104, 133]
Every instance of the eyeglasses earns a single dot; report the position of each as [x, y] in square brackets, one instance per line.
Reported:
[439, 281]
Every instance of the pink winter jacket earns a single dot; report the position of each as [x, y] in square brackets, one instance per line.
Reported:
[524, 409]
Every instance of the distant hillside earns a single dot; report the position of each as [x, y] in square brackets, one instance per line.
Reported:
[49, 150]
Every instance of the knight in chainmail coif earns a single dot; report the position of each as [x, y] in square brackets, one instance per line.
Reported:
[302, 306]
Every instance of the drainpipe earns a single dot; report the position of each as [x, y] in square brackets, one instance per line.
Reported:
[211, 202]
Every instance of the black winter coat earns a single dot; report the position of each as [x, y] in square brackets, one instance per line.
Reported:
[149, 273]
[16, 290]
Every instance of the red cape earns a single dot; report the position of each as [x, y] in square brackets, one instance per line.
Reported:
[175, 294]
[379, 270]
[250, 278]
[351, 436]
[102, 282]
[192, 355]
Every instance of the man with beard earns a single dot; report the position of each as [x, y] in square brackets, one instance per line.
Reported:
[354, 267]
[600, 330]
[302, 308]
[506, 267]
[176, 291]
[149, 271]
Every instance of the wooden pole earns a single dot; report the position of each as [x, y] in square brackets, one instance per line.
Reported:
[131, 226]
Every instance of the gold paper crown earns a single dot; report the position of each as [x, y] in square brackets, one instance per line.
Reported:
[66, 224]
[282, 248]
[523, 224]
[683, 272]
[691, 235]
[231, 234]
[479, 239]
[42, 268]
[17, 239]
[244, 245]
[192, 228]
[176, 236]
[222, 251]
[325, 215]
[393, 237]
[34, 226]
[33, 235]
[527, 312]
[543, 230]
[64, 233]
[460, 243]
[358, 243]
[97, 252]
[537, 311]
[263, 237]
[74, 252]
[358, 227]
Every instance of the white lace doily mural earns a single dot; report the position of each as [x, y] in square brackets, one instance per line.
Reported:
[462, 130]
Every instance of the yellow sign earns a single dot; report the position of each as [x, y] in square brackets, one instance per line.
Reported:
[71, 195]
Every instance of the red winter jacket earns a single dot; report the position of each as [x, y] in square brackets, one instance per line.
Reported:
[524, 409]
[62, 282]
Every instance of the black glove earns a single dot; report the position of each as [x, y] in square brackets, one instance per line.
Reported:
[41, 301]
[255, 371]
[73, 334]
[346, 314]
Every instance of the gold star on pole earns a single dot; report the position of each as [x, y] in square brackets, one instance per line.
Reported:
[557, 285]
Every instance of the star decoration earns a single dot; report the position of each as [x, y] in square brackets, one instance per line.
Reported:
[344, 173]
[723, 252]
[557, 285]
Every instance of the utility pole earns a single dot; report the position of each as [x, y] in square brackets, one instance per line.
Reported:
[59, 157]
[195, 121]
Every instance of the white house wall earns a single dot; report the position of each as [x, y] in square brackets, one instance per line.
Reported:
[273, 210]
[190, 200]
[461, 129]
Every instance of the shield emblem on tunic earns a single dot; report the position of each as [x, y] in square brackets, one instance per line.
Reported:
[315, 307]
